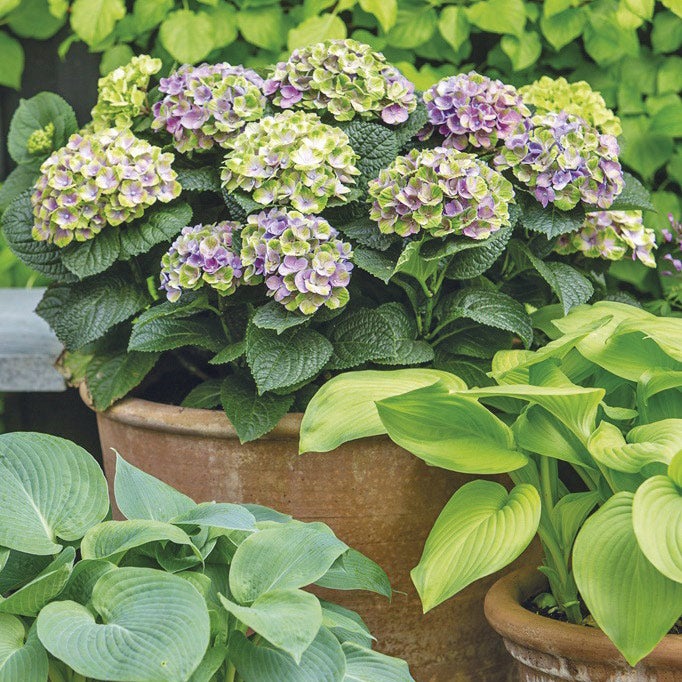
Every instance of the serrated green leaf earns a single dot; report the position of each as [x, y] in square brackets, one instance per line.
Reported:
[93, 20]
[94, 256]
[229, 354]
[168, 333]
[275, 316]
[187, 35]
[379, 264]
[22, 178]
[263, 26]
[35, 19]
[376, 146]
[12, 57]
[204, 396]
[470, 263]
[204, 179]
[550, 221]
[634, 197]
[498, 16]
[366, 232]
[157, 226]
[316, 29]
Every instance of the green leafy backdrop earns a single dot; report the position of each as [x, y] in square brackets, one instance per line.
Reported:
[628, 49]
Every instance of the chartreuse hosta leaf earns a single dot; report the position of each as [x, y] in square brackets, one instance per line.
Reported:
[450, 431]
[659, 395]
[22, 657]
[632, 602]
[288, 619]
[482, 529]
[51, 490]
[664, 331]
[656, 442]
[47, 585]
[344, 408]
[288, 557]
[154, 626]
[657, 520]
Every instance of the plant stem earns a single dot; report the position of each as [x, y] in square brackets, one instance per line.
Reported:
[191, 367]
[223, 321]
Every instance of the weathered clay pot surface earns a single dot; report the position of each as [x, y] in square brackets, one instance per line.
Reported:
[547, 650]
[377, 498]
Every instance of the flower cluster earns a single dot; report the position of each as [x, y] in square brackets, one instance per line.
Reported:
[109, 177]
[291, 158]
[673, 239]
[610, 235]
[440, 191]
[564, 160]
[299, 257]
[207, 105]
[345, 78]
[40, 141]
[202, 254]
[122, 94]
[471, 110]
[557, 94]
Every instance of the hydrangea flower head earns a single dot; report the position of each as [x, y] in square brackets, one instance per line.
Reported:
[471, 110]
[203, 254]
[673, 240]
[344, 77]
[291, 158]
[207, 105]
[557, 94]
[440, 191]
[109, 177]
[122, 94]
[299, 257]
[40, 141]
[611, 235]
[564, 161]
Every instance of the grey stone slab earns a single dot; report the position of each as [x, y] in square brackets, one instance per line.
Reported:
[28, 347]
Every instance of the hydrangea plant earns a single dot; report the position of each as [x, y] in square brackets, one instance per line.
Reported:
[305, 224]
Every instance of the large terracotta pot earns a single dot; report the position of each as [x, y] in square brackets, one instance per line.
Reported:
[547, 650]
[378, 499]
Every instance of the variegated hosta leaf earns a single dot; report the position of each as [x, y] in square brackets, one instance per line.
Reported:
[482, 529]
[657, 520]
[154, 626]
[344, 408]
[632, 602]
[51, 490]
[21, 657]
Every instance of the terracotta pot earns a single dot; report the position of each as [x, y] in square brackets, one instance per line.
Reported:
[547, 650]
[378, 499]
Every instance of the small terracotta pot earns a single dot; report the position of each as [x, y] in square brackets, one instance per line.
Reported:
[547, 650]
[377, 498]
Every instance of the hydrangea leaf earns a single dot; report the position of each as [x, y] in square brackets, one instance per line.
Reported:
[168, 333]
[159, 225]
[187, 35]
[93, 256]
[276, 317]
[93, 20]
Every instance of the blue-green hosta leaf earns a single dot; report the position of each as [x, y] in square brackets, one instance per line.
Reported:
[354, 571]
[217, 515]
[20, 568]
[344, 408]
[345, 625]
[450, 431]
[365, 665]
[21, 657]
[288, 556]
[154, 626]
[288, 619]
[482, 529]
[209, 665]
[632, 602]
[114, 538]
[47, 585]
[142, 496]
[83, 579]
[657, 520]
[51, 490]
[324, 660]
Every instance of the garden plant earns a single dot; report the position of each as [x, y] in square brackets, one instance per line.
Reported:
[589, 428]
[178, 591]
[226, 238]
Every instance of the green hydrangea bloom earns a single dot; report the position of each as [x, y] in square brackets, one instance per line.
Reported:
[41, 140]
[122, 94]
[557, 94]
[291, 158]
[440, 191]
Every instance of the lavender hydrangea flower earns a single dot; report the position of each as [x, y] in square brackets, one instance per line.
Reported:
[299, 257]
[109, 177]
[207, 105]
[611, 235]
[344, 77]
[440, 191]
[471, 110]
[202, 254]
[673, 240]
[564, 160]
[291, 158]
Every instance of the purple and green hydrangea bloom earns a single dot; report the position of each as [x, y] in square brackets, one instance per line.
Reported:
[440, 191]
[473, 112]
[673, 239]
[345, 78]
[205, 106]
[105, 178]
[564, 161]
[291, 158]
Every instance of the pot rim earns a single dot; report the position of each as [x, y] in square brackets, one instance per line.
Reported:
[189, 421]
[510, 619]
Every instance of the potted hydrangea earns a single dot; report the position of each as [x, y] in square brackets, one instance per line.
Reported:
[229, 239]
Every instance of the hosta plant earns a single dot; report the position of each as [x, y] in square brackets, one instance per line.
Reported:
[222, 237]
[588, 427]
[176, 592]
